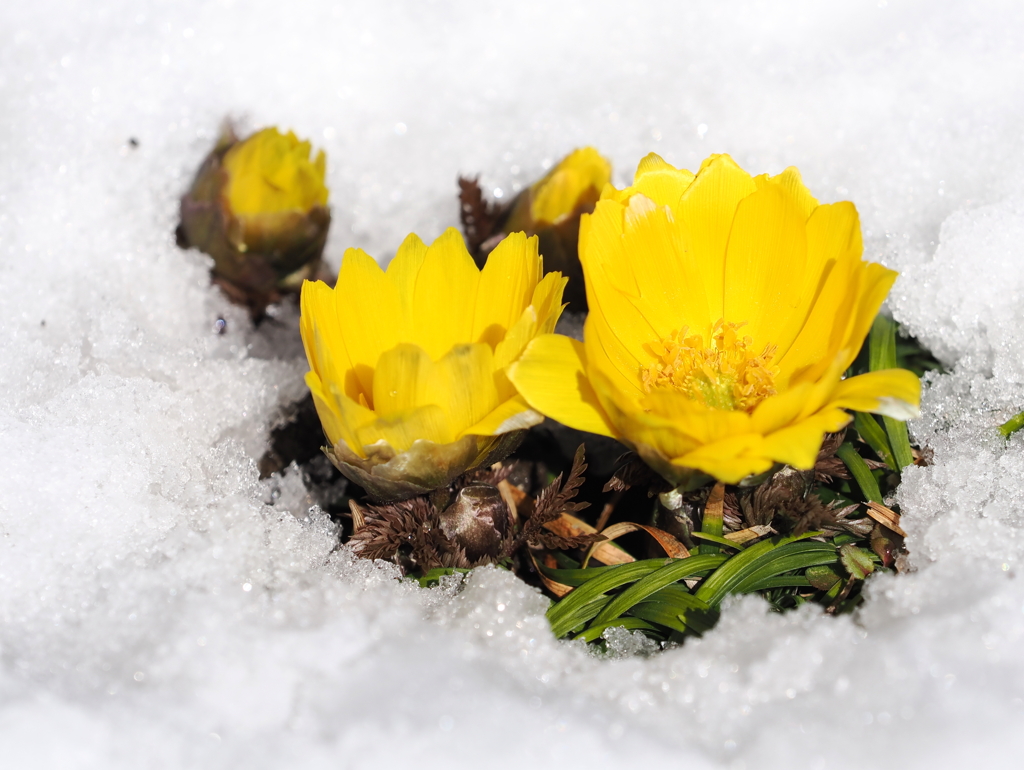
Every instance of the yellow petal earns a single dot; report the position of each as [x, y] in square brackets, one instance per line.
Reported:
[334, 429]
[401, 380]
[798, 445]
[462, 384]
[444, 301]
[507, 284]
[892, 392]
[778, 411]
[404, 269]
[702, 423]
[620, 350]
[729, 460]
[662, 182]
[551, 376]
[764, 266]
[668, 280]
[792, 182]
[875, 285]
[514, 414]
[321, 335]
[826, 329]
[833, 239]
[427, 423]
[370, 316]
[601, 249]
[705, 213]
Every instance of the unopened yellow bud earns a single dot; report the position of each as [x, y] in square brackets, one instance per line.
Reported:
[259, 208]
[575, 182]
[271, 172]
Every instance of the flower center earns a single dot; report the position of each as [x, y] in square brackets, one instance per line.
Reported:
[727, 374]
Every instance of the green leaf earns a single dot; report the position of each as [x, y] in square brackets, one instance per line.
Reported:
[670, 573]
[822, 577]
[873, 433]
[724, 580]
[573, 577]
[783, 581]
[899, 440]
[716, 539]
[882, 344]
[786, 558]
[857, 561]
[860, 472]
[567, 614]
[694, 613]
[574, 622]
[660, 613]
[882, 355]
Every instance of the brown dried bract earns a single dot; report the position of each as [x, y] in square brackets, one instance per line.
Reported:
[552, 502]
[480, 218]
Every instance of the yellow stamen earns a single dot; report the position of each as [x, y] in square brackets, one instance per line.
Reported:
[724, 375]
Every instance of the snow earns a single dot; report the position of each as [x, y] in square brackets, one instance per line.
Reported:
[156, 612]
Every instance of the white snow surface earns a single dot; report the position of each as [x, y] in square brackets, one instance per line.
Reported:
[156, 612]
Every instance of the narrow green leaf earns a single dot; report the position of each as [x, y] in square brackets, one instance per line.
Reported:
[658, 612]
[873, 433]
[572, 577]
[670, 573]
[857, 561]
[693, 612]
[724, 579]
[860, 472]
[899, 440]
[882, 344]
[716, 539]
[882, 355]
[783, 581]
[577, 619]
[786, 558]
[562, 614]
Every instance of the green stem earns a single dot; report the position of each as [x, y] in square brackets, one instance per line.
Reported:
[1012, 425]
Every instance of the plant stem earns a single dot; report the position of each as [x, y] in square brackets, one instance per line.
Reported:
[1012, 425]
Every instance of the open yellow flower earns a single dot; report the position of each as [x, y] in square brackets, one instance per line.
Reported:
[408, 365]
[724, 310]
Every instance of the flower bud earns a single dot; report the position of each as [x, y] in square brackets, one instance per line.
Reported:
[478, 521]
[551, 209]
[259, 208]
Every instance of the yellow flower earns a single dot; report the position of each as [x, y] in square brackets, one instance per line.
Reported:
[271, 172]
[724, 310]
[408, 365]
